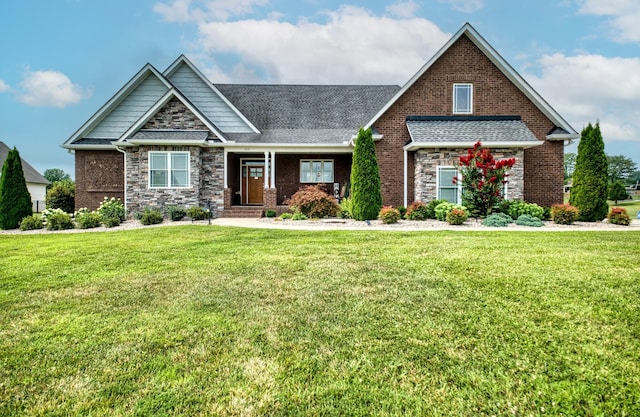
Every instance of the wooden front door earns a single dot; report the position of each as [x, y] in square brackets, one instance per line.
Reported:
[252, 183]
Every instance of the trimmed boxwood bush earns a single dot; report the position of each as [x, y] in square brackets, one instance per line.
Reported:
[270, 213]
[151, 216]
[197, 213]
[176, 213]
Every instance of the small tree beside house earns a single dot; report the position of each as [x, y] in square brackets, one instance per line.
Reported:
[590, 180]
[483, 178]
[15, 200]
[366, 196]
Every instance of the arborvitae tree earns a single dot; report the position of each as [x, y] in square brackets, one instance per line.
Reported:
[15, 200]
[590, 185]
[366, 197]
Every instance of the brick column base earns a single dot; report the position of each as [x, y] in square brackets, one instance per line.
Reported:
[270, 197]
[228, 197]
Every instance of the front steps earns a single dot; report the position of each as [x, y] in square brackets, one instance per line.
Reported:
[249, 212]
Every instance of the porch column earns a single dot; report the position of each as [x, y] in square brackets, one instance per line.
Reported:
[273, 170]
[266, 169]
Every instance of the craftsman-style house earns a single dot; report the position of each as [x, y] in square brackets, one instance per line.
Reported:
[174, 137]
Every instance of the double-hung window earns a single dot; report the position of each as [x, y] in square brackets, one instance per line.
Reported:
[316, 170]
[463, 98]
[168, 169]
[447, 188]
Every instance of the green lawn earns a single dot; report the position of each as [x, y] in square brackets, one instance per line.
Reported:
[198, 320]
[633, 207]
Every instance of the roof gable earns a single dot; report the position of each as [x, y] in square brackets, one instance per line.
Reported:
[511, 74]
[204, 95]
[123, 109]
[30, 174]
[159, 105]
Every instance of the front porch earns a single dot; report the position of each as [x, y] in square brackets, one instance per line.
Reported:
[256, 182]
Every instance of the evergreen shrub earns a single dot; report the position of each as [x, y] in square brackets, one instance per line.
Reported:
[529, 220]
[15, 200]
[457, 216]
[176, 213]
[365, 178]
[151, 216]
[389, 215]
[564, 213]
[197, 213]
[497, 220]
[619, 215]
[417, 211]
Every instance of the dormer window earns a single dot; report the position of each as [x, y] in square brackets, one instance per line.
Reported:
[462, 98]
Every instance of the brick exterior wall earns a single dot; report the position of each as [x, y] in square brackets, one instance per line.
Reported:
[428, 160]
[493, 94]
[99, 174]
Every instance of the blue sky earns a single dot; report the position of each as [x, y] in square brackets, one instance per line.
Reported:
[63, 59]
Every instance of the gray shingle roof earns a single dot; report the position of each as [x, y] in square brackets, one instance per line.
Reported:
[30, 173]
[469, 129]
[305, 113]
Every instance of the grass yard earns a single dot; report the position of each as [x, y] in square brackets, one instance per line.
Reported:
[197, 320]
[632, 206]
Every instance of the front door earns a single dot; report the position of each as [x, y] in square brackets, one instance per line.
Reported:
[252, 183]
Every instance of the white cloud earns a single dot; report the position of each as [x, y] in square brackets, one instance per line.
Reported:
[589, 88]
[201, 10]
[624, 15]
[50, 89]
[465, 6]
[4, 87]
[404, 9]
[351, 46]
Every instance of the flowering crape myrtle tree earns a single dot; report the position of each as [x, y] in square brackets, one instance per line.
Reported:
[482, 179]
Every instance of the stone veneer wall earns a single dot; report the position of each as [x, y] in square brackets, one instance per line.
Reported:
[427, 161]
[206, 180]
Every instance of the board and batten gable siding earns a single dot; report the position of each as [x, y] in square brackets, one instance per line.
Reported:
[130, 109]
[207, 101]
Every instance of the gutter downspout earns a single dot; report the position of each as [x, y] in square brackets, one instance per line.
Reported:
[406, 177]
[124, 153]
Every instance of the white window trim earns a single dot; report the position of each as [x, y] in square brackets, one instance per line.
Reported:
[311, 161]
[169, 169]
[455, 98]
[458, 185]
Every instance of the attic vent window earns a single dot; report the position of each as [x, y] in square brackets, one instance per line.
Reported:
[463, 98]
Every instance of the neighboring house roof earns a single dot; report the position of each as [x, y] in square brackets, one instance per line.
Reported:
[470, 32]
[30, 174]
[464, 131]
